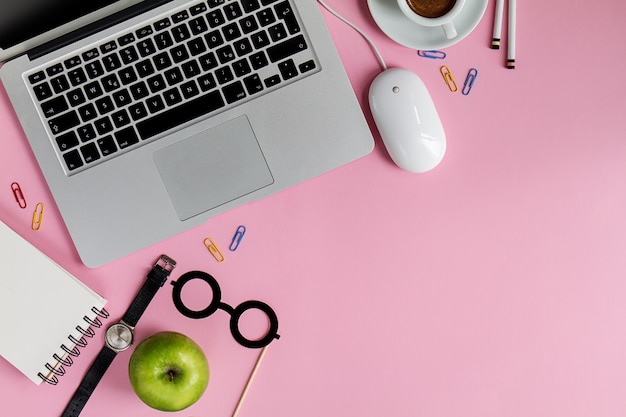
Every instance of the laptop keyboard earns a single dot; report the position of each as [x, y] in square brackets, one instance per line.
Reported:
[110, 98]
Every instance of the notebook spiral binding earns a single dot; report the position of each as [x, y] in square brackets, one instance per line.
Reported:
[61, 362]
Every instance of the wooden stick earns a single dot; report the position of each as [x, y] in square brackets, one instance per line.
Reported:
[249, 383]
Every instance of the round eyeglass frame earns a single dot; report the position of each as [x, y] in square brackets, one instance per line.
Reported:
[217, 304]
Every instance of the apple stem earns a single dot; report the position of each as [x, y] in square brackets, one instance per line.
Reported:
[170, 376]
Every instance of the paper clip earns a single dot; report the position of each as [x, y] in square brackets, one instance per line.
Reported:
[234, 244]
[447, 76]
[37, 217]
[469, 81]
[18, 194]
[212, 247]
[432, 54]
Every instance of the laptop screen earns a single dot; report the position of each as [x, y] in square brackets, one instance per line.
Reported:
[24, 19]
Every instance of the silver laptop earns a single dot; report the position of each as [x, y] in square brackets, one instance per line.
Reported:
[149, 117]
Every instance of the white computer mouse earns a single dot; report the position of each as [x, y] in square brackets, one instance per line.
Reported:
[407, 120]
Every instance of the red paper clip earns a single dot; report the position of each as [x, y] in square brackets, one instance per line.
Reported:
[18, 194]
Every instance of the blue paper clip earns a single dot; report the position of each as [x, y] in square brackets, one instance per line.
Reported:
[432, 54]
[469, 81]
[234, 244]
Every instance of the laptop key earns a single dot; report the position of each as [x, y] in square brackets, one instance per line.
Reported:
[90, 54]
[285, 12]
[162, 24]
[253, 84]
[72, 62]
[126, 137]
[54, 106]
[107, 145]
[138, 111]
[103, 125]
[73, 160]
[126, 39]
[272, 81]
[90, 152]
[180, 16]
[36, 77]
[64, 122]
[216, 3]
[54, 69]
[94, 69]
[197, 9]
[233, 11]
[288, 69]
[286, 48]
[67, 141]
[250, 5]
[108, 47]
[184, 113]
[76, 97]
[307, 66]
[266, 17]
[143, 32]
[43, 91]
[234, 92]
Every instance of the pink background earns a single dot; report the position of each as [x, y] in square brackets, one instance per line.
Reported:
[492, 286]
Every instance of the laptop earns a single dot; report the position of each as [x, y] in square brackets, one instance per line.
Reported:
[148, 117]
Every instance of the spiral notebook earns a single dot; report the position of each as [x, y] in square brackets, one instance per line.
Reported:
[46, 315]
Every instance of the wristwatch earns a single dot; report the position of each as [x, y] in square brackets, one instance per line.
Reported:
[119, 336]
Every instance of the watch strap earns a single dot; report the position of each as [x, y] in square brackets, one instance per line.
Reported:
[94, 375]
[155, 280]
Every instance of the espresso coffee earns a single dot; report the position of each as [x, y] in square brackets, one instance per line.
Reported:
[431, 8]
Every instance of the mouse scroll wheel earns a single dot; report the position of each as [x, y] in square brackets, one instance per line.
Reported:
[395, 89]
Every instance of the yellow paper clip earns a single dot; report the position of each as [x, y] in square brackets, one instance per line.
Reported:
[18, 194]
[447, 76]
[234, 244]
[469, 81]
[37, 217]
[432, 54]
[212, 247]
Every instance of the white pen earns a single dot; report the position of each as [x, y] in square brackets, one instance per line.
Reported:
[497, 25]
[510, 59]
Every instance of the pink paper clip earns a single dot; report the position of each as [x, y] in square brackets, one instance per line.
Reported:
[18, 194]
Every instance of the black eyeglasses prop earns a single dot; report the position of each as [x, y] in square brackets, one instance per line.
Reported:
[217, 304]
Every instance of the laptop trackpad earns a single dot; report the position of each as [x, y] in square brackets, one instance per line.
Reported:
[213, 167]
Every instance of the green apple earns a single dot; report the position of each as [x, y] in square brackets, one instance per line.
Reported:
[168, 371]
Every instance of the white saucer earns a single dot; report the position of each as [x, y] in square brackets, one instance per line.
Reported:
[397, 26]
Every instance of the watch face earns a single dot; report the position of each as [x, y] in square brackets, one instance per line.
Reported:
[119, 336]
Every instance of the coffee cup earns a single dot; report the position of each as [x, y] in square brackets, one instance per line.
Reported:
[433, 13]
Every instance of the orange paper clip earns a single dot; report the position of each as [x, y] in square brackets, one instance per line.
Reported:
[18, 194]
[447, 76]
[37, 217]
[212, 247]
